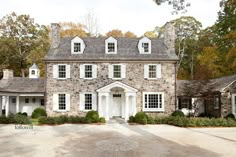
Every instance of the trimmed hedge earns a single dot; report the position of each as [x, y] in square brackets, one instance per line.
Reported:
[196, 122]
[15, 119]
[39, 112]
[231, 115]
[178, 114]
[141, 118]
[92, 116]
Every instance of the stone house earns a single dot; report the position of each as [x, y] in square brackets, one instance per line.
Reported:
[215, 97]
[115, 76]
[21, 94]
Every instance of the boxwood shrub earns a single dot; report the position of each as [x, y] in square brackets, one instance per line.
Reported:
[15, 119]
[39, 112]
[231, 115]
[178, 114]
[92, 117]
[141, 118]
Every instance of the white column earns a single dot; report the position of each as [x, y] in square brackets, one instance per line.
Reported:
[0, 105]
[17, 104]
[126, 107]
[100, 105]
[107, 107]
[7, 106]
[134, 105]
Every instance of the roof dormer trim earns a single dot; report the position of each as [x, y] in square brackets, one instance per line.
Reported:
[77, 45]
[145, 45]
[111, 45]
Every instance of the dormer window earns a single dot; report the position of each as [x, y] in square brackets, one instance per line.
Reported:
[77, 47]
[144, 46]
[111, 46]
[33, 72]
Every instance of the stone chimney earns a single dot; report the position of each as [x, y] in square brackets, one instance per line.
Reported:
[7, 74]
[169, 37]
[55, 35]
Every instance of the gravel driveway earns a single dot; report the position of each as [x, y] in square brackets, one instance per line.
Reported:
[117, 140]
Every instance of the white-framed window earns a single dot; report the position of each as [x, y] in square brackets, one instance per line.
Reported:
[88, 71]
[88, 101]
[32, 72]
[117, 71]
[61, 102]
[234, 104]
[61, 71]
[111, 46]
[153, 101]
[145, 47]
[216, 102]
[152, 71]
[26, 100]
[77, 47]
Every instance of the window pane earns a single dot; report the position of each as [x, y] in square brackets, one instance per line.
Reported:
[152, 71]
[76, 47]
[145, 47]
[88, 71]
[62, 71]
[117, 71]
[111, 47]
[153, 101]
[62, 101]
[88, 102]
[26, 100]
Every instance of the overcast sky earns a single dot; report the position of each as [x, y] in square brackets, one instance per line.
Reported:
[137, 16]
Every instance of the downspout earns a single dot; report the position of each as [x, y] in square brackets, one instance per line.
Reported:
[175, 88]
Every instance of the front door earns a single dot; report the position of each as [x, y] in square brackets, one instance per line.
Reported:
[116, 106]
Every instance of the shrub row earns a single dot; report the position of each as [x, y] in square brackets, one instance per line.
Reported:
[15, 119]
[196, 122]
[68, 119]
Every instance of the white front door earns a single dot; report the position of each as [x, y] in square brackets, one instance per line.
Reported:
[116, 105]
[234, 104]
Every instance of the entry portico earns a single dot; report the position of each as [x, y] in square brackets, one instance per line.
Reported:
[117, 100]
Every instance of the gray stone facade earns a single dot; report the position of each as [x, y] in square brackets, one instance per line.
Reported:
[134, 78]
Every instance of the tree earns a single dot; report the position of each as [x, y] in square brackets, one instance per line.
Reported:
[129, 34]
[70, 29]
[150, 34]
[91, 24]
[226, 25]
[178, 5]
[115, 33]
[22, 42]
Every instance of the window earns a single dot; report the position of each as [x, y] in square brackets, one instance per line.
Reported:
[33, 72]
[88, 69]
[13, 100]
[117, 71]
[152, 71]
[42, 102]
[61, 71]
[111, 47]
[62, 101]
[26, 100]
[33, 100]
[185, 102]
[153, 102]
[88, 102]
[216, 102]
[145, 47]
[77, 47]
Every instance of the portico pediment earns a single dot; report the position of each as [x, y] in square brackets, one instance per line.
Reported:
[117, 84]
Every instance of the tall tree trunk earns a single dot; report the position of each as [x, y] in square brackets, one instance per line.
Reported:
[22, 72]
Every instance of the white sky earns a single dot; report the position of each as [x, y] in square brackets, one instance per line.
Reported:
[137, 16]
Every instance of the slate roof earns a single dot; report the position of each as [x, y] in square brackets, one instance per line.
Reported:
[95, 50]
[34, 66]
[201, 87]
[22, 85]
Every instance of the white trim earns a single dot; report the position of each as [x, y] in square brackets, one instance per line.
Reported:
[110, 40]
[222, 89]
[106, 89]
[156, 109]
[59, 78]
[233, 104]
[140, 47]
[121, 71]
[82, 45]
[82, 100]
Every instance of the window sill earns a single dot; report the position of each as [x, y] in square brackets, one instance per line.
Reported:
[61, 111]
[62, 78]
[116, 78]
[153, 110]
[88, 78]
